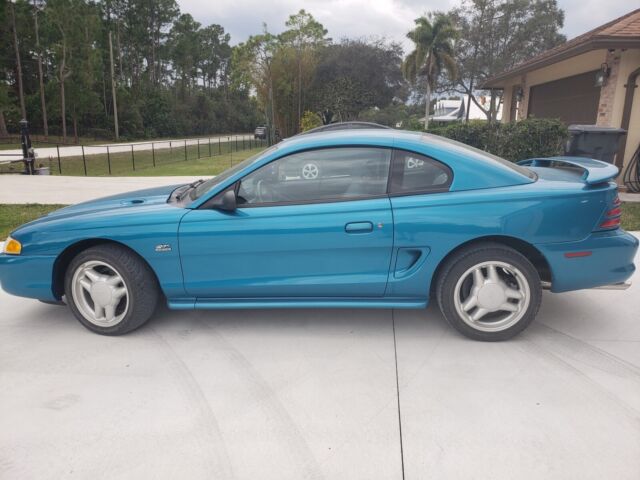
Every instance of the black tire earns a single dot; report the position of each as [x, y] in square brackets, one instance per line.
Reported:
[456, 266]
[142, 285]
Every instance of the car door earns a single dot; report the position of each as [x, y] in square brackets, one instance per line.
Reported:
[416, 181]
[291, 236]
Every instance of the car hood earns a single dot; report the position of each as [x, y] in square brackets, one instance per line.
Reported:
[135, 199]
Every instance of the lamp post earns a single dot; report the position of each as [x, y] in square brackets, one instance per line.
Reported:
[28, 155]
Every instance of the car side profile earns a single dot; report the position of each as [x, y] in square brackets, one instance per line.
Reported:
[392, 219]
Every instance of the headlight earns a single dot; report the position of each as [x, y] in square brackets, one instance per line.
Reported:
[12, 246]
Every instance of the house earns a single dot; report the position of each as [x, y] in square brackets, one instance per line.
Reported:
[447, 110]
[591, 79]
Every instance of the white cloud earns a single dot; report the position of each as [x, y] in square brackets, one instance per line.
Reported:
[363, 18]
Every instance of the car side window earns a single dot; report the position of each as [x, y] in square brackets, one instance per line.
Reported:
[415, 173]
[343, 173]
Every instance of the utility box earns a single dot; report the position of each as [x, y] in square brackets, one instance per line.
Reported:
[593, 141]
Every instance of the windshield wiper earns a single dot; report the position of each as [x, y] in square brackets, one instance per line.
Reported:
[190, 187]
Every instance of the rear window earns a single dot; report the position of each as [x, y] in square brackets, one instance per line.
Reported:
[486, 155]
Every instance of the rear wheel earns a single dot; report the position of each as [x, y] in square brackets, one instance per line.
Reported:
[489, 292]
[110, 290]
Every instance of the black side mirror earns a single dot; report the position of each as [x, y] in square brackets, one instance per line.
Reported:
[228, 201]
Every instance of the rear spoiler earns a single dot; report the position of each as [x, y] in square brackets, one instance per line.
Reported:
[594, 171]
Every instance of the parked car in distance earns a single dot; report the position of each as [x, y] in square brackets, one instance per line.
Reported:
[260, 133]
[392, 220]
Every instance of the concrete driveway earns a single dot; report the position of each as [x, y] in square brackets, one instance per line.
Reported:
[296, 394]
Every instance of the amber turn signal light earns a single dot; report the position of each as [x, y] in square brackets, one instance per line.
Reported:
[12, 247]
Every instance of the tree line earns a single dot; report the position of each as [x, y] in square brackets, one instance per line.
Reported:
[139, 68]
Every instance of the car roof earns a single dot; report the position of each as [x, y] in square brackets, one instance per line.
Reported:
[354, 125]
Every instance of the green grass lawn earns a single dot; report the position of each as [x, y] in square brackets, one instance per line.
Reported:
[631, 216]
[12, 216]
[176, 160]
[203, 166]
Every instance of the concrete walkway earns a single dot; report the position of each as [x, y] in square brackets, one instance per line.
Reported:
[630, 197]
[68, 190]
[317, 394]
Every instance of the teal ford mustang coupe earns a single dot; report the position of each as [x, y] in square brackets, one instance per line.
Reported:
[358, 218]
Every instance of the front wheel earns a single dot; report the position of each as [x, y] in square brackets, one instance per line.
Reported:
[110, 290]
[489, 292]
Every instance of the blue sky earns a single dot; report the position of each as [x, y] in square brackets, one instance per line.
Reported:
[362, 18]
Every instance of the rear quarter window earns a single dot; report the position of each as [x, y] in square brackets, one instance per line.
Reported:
[415, 173]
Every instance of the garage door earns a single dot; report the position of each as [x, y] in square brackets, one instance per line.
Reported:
[572, 99]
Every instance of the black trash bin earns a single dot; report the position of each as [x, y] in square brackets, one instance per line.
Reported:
[593, 141]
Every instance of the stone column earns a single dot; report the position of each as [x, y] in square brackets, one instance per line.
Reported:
[608, 90]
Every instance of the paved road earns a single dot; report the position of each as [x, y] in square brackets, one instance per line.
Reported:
[297, 394]
[75, 151]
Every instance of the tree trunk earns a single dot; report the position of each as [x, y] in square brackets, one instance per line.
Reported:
[113, 91]
[63, 107]
[43, 102]
[119, 50]
[75, 126]
[299, 93]
[23, 109]
[468, 107]
[3, 126]
[428, 101]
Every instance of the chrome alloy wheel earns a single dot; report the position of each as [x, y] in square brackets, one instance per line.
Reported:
[310, 171]
[492, 296]
[100, 293]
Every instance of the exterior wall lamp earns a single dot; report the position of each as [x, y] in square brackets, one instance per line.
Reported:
[602, 75]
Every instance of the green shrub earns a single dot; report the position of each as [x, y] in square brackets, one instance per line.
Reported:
[310, 120]
[534, 137]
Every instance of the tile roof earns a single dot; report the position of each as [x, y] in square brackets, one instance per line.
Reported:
[622, 31]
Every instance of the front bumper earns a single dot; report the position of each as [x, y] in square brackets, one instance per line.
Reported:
[28, 276]
[609, 262]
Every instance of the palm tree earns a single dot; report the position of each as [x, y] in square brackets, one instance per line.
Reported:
[433, 36]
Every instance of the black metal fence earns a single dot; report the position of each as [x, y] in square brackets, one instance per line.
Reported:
[119, 159]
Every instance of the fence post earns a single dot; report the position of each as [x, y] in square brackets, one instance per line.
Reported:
[59, 164]
[185, 150]
[219, 147]
[153, 154]
[84, 162]
[133, 159]
[236, 143]
[108, 160]
[209, 146]
[198, 148]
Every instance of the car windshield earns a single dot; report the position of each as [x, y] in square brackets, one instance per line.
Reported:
[207, 185]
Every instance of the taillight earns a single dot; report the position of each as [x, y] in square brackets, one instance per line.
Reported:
[611, 223]
[612, 217]
[616, 212]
